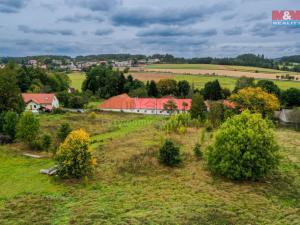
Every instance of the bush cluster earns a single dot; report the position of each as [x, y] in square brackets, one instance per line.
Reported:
[169, 154]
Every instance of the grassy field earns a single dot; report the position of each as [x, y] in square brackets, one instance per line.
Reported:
[213, 67]
[130, 186]
[77, 79]
[198, 80]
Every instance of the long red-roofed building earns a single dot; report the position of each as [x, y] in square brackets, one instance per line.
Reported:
[124, 103]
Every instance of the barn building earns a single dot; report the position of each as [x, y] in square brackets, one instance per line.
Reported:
[151, 106]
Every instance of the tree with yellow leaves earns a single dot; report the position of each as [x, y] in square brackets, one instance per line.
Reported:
[256, 100]
[74, 157]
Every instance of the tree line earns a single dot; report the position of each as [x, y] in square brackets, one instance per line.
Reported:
[286, 63]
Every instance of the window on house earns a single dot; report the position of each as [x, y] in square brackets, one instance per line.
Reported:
[138, 111]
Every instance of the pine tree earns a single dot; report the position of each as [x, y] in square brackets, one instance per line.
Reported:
[152, 89]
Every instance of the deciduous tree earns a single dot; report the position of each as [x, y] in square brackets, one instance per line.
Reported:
[244, 148]
[256, 100]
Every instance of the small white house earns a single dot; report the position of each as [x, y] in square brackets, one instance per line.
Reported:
[36, 102]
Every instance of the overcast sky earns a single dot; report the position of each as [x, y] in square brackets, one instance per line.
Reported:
[216, 28]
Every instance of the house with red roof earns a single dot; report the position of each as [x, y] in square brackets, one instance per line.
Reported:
[36, 102]
[152, 106]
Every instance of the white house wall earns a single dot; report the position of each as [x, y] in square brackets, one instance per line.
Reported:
[143, 111]
[33, 107]
[55, 102]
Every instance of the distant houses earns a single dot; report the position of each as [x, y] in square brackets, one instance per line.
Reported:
[37, 102]
[151, 106]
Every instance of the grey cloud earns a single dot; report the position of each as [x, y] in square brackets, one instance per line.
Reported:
[174, 42]
[256, 17]
[42, 47]
[27, 30]
[95, 5]
[264, 30]
[147, 16]
[103, 32]
[79, 18]
[175, 31]
[228, 17]
[12, 6]
[233, 31]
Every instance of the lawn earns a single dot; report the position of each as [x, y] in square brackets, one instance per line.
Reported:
[77, 79]
[130, 186]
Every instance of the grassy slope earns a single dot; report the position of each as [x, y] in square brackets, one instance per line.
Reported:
[131, 187]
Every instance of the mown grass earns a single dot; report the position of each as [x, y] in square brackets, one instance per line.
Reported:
[130, 186]
[77, 79]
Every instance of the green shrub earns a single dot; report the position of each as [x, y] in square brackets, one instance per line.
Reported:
[36, 145]
[181, 130]
[244, 148]
[92, 116]
[74, 157]
[10, 121]
[198, 107]
[64, 130]
[58, 111]
[208, 126]
[169, 154]
[177, 121]
[46, 141]
[197, 151]
[28, 128]
[216, 114]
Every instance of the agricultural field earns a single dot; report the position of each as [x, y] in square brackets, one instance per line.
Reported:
[198, 80]
[220, 70]
[130, 186]
[214, 67]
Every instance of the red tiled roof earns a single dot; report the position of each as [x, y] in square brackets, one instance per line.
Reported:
[38, 98]
[118, 102]
[125, 102]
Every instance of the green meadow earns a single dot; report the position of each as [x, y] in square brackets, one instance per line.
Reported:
[130, 186]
